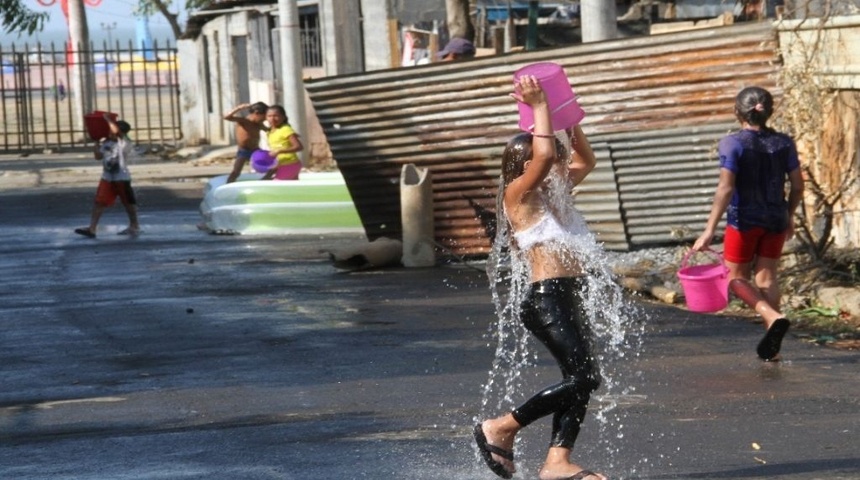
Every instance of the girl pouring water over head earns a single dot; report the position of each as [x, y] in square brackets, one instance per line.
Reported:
[545, 232]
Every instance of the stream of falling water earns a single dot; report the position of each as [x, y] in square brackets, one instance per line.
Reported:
[616, 323]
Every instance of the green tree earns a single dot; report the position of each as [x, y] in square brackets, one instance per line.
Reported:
[15, 17]
[151, 7]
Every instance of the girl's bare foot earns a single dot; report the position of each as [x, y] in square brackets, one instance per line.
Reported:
[499, 434]
[559, 467]
[580, 474]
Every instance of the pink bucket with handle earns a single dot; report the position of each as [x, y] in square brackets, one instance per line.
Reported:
[565, 112]
[706, 287]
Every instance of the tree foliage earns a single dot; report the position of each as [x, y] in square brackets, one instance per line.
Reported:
[151, 7]
[15, 17]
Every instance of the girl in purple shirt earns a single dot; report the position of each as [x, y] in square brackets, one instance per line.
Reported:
[754, 165]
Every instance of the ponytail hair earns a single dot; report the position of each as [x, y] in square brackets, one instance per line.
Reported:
[754, 105]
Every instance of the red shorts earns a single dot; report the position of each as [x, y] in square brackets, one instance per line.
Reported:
[741, 247]
[109, 191]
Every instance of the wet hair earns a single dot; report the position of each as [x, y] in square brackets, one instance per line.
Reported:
[754, 105]
[517, 152]
[258, 107]
[280, 110]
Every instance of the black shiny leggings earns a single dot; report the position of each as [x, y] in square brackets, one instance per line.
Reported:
[552, 312]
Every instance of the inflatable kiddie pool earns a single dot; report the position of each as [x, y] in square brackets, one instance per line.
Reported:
[318, 202]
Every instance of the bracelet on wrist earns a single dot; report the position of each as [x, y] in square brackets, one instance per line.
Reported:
[543, 135]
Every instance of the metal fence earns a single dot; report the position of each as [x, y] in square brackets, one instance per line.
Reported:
[39, 99]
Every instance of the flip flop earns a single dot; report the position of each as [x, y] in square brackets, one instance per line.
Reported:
[582, 474]
[770, 344]
[85, 232]
[487, 452]
[129, 231]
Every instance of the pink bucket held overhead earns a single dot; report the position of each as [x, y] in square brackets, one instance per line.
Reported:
[564, 109]
[706, 287]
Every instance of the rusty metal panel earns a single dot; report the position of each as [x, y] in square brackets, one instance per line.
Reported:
[666, 180]
[455, 118]
[598, 200]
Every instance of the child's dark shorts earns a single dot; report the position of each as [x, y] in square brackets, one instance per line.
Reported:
[244, 153]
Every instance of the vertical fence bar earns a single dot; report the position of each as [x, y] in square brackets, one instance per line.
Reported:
[120, 81]
[3, 96]
[159, 89]
[5, 121]
[133, 77]
[111, 71]
[51, 89]
[21, 98]
[56, 77]
[42, 138]
[100, 62]
[146, 72]
[174, 95]
[70, 122]
[65, 78]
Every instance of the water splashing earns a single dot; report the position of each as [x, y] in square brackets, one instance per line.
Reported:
[614, 320]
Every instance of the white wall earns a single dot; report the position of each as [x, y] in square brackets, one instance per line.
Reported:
[377, 38]
[346, 23]
[341, 32]
[203, 123]
[192, 105]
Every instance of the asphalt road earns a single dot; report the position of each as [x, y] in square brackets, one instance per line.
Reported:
[183, 355]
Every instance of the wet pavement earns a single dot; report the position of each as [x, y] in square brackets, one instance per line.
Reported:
[183, 355]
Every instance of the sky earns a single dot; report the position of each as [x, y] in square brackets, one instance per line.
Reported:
[111, 18]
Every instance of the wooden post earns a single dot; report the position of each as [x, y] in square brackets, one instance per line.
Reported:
[531, 35]
[394, 41]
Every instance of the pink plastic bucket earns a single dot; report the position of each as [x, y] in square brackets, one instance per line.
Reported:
[564, 110]
[706, 287]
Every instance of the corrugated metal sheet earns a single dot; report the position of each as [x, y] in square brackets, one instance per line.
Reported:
[455, 118]
[666, 180]
[598, 200]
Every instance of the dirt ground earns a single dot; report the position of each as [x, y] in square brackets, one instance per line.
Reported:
[652, 274]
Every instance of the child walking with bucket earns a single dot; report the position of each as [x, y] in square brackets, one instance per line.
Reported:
[114, 152]
[754, 164]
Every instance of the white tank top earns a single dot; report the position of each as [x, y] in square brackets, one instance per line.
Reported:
[550, 229]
